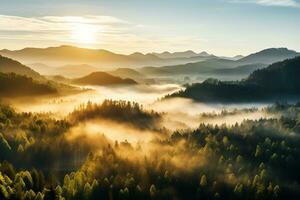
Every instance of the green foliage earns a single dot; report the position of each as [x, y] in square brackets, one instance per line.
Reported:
[120, 111]
[252, 160]
[203, 181]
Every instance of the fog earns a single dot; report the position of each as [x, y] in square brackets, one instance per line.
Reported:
[113, 131]
[181, 113]
[178, 113]
[135, 144]
[61, 106]
[157, 137]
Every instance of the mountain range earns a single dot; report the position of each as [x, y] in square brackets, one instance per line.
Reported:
[22, 76]
[279, 81]
[184, 54]
[87, 74]
[218, 65]
[65, 55]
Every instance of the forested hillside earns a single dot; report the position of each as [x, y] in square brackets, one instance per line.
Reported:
[8, 65]
[278, 81]
[13, 85]
[253, 160]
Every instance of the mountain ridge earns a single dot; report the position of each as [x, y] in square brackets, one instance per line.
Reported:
[278, 81]
[8, 65]
[66, 54]
[102, 78]
[213, 65]
[269, 56]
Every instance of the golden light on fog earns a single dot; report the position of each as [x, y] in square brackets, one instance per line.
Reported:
[84, 33]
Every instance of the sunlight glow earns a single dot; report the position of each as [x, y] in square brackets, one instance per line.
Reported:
[84, 33]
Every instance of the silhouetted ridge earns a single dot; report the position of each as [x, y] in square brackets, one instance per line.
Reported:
[102, 78]
[8, 65]
[13, 85]
[279, 81]
[269, 56]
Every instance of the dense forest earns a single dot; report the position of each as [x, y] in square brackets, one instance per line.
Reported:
[121, 111]
[13, 85]
[252, 160]
[279, 81]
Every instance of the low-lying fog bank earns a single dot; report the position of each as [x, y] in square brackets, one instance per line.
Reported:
[142, 94]
[177, 113]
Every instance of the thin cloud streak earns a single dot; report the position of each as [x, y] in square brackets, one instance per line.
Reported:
[56, 23]
[278, 3]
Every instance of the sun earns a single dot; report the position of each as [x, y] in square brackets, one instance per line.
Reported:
[83, 33]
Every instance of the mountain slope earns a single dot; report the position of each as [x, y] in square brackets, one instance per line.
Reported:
[281, 77]
[22, 80]
[240, 70]
[74, 70]
[70, 71]
[8, 65]
[279, 81]
[102, 78]
[191, 68]
[13, 85]
[269, 56]
[126, 73]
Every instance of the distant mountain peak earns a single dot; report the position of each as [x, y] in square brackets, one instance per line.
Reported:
[102, 78]
[137, 54]
[203, 53]
[66, 46]
[178, 54]
[237, 57]
[270, 55]
[189, 51]
[277, 50]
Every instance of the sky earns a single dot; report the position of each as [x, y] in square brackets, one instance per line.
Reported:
[220, 27]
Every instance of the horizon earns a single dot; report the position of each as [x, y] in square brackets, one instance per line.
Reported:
[146, 53]
[239, 28]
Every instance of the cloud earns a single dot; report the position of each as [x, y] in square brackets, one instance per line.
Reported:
[55, 23]
[58, 28]
[106, 32]
[285, 3]
[280, 3]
